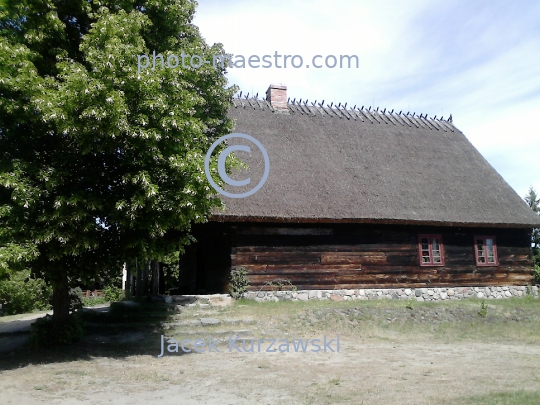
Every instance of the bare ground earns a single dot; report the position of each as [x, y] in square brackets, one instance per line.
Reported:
[379, 361]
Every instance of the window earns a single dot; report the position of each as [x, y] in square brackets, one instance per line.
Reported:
[485, 249]
[431, 250]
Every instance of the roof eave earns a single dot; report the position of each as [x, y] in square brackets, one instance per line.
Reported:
[234, 218]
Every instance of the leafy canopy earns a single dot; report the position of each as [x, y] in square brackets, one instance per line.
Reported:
[100, 163]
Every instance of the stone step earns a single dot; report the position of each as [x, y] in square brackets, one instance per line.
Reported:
[239, 321]
[196, 305]
[208, 322]
[218, 300]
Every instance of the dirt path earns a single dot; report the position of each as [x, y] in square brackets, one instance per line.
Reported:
[363, 372]
[22, 324]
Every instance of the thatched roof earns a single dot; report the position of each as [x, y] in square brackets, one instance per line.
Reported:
[336, 164]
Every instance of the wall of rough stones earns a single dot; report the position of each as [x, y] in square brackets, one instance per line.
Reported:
[420, 294]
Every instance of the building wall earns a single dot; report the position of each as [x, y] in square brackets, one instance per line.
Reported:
[346, 256]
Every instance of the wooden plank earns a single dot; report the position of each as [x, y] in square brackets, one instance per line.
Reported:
[372, 255]
[291, 258]
[330, 248]
[514, 258]
[284, 231]
[299, 267]
[342, 258]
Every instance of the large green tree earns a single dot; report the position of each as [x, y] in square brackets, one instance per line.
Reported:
[100, 162]
[534, 202]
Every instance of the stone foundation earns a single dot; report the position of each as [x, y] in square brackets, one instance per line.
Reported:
[418, 294]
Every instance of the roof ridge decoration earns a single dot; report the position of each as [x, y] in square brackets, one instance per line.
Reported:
[341, 111]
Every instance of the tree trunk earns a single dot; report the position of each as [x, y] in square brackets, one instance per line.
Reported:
[138, 282]
[161, 279]
[145, 278]
[61, 299]
[155, 277]
[127, 283]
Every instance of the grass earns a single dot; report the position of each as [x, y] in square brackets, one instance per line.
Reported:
[9, 318]
[122, 345]
[502, 398]
[492, 324]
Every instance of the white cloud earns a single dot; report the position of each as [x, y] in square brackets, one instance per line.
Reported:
[476, 60]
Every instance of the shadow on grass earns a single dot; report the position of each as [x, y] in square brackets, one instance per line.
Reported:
[127, 329]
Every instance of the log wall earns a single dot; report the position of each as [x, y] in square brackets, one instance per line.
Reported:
[344, 256]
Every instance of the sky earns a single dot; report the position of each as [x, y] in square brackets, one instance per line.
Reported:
[476, 60]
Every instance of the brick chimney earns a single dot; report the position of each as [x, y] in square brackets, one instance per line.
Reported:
[277, 96]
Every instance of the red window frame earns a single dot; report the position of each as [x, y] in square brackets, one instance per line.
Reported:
[431, 252]
[483, 253]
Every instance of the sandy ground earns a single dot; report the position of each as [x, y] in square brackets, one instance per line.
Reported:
[119, 364]
[381, 372]
[22, 324]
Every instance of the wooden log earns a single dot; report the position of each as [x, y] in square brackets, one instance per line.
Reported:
[284, 231]
[348, 258]
[328, 248]
[277, 268]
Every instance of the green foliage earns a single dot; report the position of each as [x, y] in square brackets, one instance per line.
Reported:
[45, 333]
[483, 309]
[411, 302]
[239, 282]
[536, 256]
[75, 299]
[91, 301]
[521, 397]
[534, 202]
[171, 270]
[99, 162]
[20, 293]
[537, 273]
[113, 293]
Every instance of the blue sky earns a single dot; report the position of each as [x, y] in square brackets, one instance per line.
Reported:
[478, 60]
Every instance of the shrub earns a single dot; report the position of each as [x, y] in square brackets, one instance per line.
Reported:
[537, 273]
[239, 282]
[76, 297]
[483, 310]
[113, 293]
[46, 334]
[20, 293]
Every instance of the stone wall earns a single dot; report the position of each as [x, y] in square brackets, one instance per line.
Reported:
[419, 294]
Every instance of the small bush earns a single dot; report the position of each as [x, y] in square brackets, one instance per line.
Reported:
[113, 293]
[75, 297]
[20, 293]
[483, 309]
[46, 334]
[537, 273]
[239, 282]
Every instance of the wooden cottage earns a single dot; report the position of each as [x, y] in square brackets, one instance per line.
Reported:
[358, 198]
